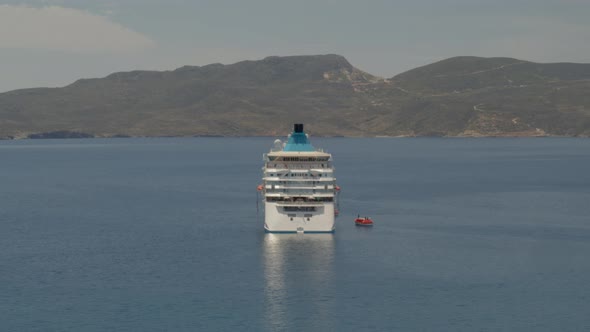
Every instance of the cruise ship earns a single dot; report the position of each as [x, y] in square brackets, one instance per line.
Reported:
[299, 190]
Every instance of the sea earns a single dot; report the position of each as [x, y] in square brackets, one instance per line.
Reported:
[166, 234]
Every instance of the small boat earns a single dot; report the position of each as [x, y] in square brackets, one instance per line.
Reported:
[363, 221]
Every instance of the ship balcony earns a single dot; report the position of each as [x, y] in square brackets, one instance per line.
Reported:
[285, 167]
[308, 188]
[298, 179]
[300, 203]
[298, 194]
[299, 200]
[300, 172]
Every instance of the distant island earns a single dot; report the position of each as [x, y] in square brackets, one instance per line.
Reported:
[460, 96]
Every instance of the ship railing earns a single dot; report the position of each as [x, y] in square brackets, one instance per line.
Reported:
[300, 179]
[301, 188]
[283, 166]
[299, 203]
[275, 194]
[298, 190]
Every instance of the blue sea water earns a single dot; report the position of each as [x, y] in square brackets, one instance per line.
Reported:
[164, 235]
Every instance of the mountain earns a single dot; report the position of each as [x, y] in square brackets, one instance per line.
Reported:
[461, 96]
[500, 96]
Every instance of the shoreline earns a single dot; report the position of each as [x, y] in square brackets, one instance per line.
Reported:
[34, 137]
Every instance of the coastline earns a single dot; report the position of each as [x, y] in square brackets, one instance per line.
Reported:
[82, 135]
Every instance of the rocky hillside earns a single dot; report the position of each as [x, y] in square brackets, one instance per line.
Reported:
[500, 96]
[462, 96]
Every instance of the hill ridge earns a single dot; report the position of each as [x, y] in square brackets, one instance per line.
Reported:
[458, 96]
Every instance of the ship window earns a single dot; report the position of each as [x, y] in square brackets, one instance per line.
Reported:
[299, 209]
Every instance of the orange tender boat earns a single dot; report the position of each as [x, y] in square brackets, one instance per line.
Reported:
[363, 221]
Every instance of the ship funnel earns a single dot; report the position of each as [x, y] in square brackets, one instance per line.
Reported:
[298, 140]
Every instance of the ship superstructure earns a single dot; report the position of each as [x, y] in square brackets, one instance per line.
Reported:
[299, 190]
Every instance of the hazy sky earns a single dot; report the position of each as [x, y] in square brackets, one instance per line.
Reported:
[55, 42]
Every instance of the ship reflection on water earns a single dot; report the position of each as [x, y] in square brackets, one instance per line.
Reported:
[299, 272]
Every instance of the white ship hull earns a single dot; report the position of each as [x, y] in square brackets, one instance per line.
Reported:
[299, 189]
[277, 220]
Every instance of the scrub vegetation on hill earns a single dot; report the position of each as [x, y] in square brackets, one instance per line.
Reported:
[461, 96]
